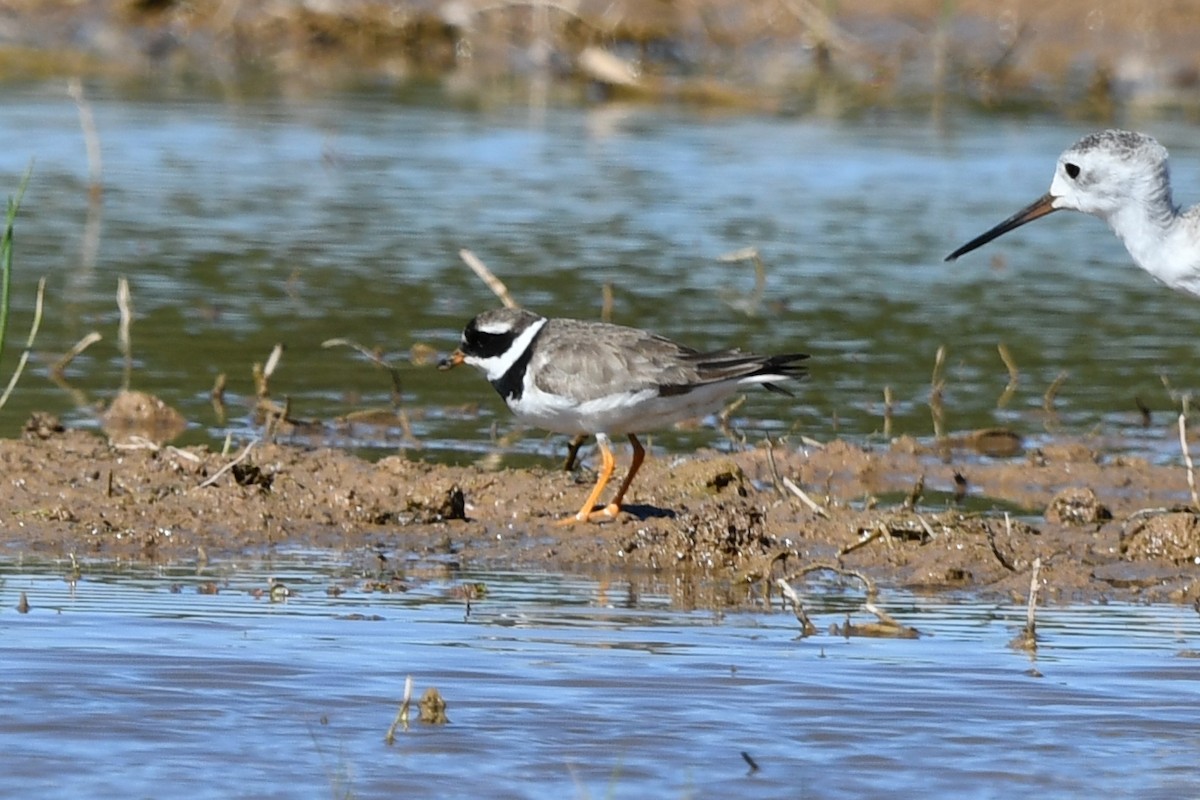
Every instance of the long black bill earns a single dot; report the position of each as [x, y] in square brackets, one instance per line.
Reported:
[1039, 208]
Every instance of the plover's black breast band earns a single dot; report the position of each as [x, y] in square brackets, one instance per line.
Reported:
[511, 385]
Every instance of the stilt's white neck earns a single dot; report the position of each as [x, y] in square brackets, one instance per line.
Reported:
[1160, 241]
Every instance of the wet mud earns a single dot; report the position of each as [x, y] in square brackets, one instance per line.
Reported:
[721, 527]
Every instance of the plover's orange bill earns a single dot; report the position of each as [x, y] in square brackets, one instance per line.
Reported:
[576, 377]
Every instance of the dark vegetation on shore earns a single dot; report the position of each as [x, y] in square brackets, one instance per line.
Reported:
[1093, 59]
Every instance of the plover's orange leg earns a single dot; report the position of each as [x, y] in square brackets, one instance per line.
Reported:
[608, 463]
[639, 455]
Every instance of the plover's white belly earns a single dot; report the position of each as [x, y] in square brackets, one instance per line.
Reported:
[629, 412]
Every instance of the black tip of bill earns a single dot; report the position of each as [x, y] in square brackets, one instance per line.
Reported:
[1038, 208]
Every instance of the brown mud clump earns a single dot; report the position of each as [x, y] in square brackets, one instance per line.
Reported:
[903, 515]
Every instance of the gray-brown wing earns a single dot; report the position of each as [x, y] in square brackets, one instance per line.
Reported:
[584, 360]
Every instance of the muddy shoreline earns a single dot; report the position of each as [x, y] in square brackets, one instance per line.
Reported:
[1093, 59]
[907, 515]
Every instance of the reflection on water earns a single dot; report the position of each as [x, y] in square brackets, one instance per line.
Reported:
[241, 226]
[142, 683]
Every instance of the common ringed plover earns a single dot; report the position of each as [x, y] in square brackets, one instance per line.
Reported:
[578, 377]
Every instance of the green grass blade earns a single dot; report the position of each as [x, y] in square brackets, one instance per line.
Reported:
[6, 245]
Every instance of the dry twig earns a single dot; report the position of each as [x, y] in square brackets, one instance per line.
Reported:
[125, 304]
[402, 714]
[377, 360]
[807, 628]
[991, 537]
[749, 304]
[1183, 445]
[91, 140]
[488, 277]
[875, 533]
[1027, 640]
[937, 386]
[240, 457]
[60, 367]
[1052, 392]
[776, 481]
[816, 508]
[888, 410]
[33, 331]
[828, 566]
[1014, 376]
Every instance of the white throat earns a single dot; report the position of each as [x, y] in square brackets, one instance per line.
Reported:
[1161, 243]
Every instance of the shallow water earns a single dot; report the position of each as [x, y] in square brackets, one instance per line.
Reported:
[131, 682]
[241, 223]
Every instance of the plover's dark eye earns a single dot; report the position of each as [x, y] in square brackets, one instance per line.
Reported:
[1072, 170]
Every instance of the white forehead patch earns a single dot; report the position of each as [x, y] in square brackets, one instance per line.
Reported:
[499, 326]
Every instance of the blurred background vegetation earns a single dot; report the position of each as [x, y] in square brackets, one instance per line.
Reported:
[1089, 59]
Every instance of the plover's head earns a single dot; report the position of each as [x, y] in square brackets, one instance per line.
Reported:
[494, 340]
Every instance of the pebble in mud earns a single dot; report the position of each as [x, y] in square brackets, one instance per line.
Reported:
[1174, 536]
[1077, 506]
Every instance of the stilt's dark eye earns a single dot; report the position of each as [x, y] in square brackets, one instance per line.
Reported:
[1072, 170]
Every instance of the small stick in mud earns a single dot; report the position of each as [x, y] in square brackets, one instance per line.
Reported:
[888, 409]
[573, 451]
[58, 375]
[961, 484]
[91, 140]
[875, 533]
[807, 628]
[1144, 409]
[488, 277]
[374, 358]
[1027, 640]
[888, 626]
[606, 302]
[1187, 456]
[926, 527]
[751, 303]
[397, 393]
[125, 305]
[723, 420]
[217, 475]
[135, 442]
[1052, 392]
[776, 481]
[217, 394]
[33, 332]
[914, 494]
[937, 384]
[827, 566]
[813, 505]
[991, 537]
[1014, 376]
[57, 372]
[269, 369]
[1166, 382]
[402, 714]
[262, 387]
